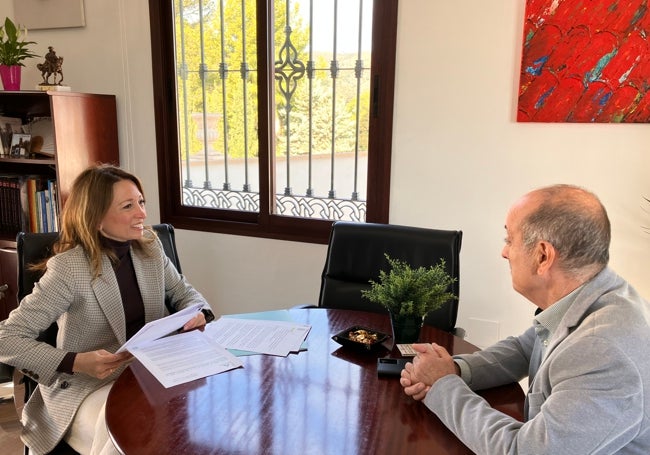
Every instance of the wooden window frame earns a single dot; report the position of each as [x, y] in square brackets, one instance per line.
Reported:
[266, 224]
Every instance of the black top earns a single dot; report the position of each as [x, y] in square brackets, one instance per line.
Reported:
[128, 284]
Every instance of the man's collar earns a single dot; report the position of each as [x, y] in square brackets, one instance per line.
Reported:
[550, 318]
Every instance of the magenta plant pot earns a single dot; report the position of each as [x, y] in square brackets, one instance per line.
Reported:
[10, 76]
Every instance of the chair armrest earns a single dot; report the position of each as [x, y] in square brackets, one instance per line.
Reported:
[6, 373]
[459, 332]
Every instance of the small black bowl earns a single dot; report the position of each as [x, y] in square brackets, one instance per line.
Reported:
[346, 338]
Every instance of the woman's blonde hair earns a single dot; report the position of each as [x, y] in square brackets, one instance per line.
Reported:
[90, 198]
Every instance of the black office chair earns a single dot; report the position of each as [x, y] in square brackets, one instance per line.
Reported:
[34, 247]
[5, 373]
[167, 237]
[355, 255]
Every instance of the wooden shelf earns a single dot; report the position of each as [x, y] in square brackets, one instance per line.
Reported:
[85, 133]
[30, 161]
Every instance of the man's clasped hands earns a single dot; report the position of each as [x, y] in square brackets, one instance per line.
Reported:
[431, 363]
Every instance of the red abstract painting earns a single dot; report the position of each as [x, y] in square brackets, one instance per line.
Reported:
[585, 61]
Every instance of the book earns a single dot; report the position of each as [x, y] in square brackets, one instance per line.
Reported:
[45, 210]
[53, 214]
[4, 205]
[39, 212]
[41, 204]
[31, 199]
[13, 217]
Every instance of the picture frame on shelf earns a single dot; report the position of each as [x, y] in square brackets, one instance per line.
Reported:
[42, 131]
[9, 126]
[20, 145]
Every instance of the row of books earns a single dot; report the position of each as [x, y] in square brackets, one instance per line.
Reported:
[28, 203]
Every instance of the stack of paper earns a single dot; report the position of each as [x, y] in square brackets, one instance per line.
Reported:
[184, 357]
[193, 355]
[256, 335]
[180, 358]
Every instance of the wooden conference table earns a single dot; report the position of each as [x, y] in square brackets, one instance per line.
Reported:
[326, 400]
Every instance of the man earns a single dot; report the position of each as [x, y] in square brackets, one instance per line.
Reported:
[586, 354]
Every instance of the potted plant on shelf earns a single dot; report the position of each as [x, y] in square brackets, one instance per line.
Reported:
[409, 295]
[13, 50]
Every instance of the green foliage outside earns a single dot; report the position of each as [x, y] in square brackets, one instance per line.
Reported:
[405, 291]
[193, 91]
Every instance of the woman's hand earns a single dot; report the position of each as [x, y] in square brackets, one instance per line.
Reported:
[99, 364]
[197, 322]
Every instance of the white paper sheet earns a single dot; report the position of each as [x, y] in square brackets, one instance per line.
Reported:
[184, 357]
[271, 315]
[161, 327]
[263, 336]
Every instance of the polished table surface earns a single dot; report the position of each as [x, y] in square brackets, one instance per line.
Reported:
[326, 400]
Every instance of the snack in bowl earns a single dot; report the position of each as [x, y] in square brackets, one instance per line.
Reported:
[363, 336]
[360, 337]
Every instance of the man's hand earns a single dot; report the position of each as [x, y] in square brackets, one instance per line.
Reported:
[99, 364]
[417, 390]
[430, 364]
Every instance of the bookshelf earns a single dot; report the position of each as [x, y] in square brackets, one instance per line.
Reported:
[84, 132]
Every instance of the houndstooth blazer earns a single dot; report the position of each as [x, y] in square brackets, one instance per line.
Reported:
[90, 317]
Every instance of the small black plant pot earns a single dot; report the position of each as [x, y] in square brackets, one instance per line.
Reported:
[406, 329]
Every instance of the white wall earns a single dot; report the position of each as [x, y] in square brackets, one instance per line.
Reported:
[455, 131]
[459, 157]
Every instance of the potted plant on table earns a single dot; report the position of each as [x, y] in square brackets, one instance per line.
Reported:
[409, 294]
[13, 50]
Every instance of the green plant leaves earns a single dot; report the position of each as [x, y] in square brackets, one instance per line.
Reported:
[407, 291]
[13, 48]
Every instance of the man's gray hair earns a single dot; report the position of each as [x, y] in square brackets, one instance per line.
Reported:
[575, 222]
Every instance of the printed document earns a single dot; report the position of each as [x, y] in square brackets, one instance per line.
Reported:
[161, 327]
[270, 315]
[263, 336]
[184, 357]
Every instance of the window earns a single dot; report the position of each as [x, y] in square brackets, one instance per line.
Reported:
[278, 125]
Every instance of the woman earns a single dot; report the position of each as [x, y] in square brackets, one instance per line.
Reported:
[108, 277]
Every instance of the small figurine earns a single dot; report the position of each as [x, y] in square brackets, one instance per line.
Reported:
[53, 65]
